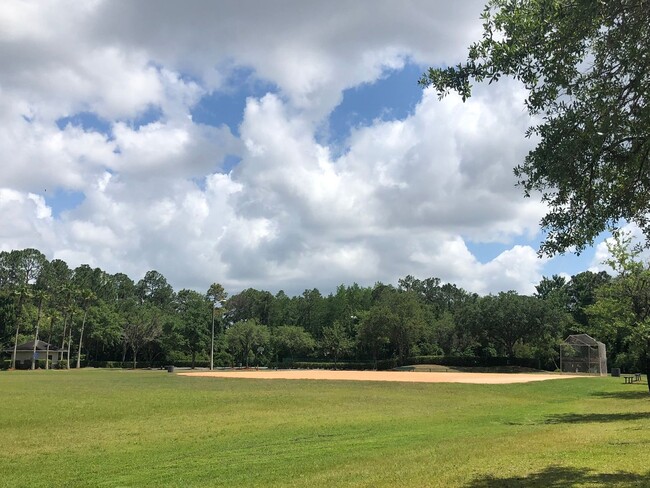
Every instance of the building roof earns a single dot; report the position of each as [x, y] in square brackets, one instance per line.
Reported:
[29, 346]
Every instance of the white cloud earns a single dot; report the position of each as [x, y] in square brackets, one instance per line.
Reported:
[176, 148]
[25, 221]
[602, 254]
[400, 199]
[403, 199]
[516, 269]
[311, 50]
[38, 156]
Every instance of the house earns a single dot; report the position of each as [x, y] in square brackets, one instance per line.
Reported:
[25, 352]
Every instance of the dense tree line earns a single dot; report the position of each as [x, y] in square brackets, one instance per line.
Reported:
[97, 316]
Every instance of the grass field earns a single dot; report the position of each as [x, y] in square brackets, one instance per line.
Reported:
[95, 428]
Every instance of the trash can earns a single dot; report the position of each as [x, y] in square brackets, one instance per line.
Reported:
[616, 372]
[170, 369]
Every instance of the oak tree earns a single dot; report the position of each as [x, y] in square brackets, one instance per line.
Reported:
[586, 66]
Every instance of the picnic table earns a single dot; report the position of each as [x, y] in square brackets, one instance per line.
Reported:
[632, 378]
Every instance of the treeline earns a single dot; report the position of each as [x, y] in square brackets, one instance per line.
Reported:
[100, 317]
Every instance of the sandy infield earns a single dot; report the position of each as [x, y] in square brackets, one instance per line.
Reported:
[404, 376]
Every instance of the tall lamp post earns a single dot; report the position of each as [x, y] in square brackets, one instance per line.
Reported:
[212, 341]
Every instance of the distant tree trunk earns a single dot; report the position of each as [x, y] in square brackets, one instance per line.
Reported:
[152, 354]
[69, 344]
[49, 340]
[402, 346]
[647, 364]
[17, 316]
[38, 323]
[13, 357]
[81, 338]
[193, 359]
[65, 329]
[135, 356]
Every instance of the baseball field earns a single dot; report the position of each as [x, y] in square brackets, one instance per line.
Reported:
[118, 428]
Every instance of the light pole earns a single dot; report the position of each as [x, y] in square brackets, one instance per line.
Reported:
[212, 341]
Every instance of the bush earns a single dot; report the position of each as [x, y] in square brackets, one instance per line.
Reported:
[629, 363]
[332, 365]
[225, 360]
[5, 364]
[474, 361]
[146, 364]
[383, 364]
[386, 364]
[102, 364]
[188, 364]
[222, 359]
[105, 364]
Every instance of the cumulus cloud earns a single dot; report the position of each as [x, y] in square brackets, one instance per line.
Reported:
[26, 221]
[602, 254]
[402, 198]
[312, 50]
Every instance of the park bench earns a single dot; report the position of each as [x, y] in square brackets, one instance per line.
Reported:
[637, 376]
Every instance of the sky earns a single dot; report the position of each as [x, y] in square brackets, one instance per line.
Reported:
[275, 145]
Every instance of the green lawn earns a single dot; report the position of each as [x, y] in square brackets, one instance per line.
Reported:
[95, 428]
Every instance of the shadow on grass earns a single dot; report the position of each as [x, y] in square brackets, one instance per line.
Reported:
[623, 395]
[560, 477]
[577, 418]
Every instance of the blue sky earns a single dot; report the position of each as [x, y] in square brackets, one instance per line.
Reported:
[391, 97]
[226, 106]
[278, 146]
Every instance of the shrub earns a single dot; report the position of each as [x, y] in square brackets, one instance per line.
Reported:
[383, 364]
[386, 364]
[629, 363]
[475, 361]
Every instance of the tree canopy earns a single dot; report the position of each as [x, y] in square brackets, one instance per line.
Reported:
[622, 312]
[586, 66]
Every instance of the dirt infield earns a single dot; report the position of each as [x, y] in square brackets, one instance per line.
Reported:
[403, 376]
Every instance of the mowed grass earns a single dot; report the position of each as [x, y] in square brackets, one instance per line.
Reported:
[95, 428]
